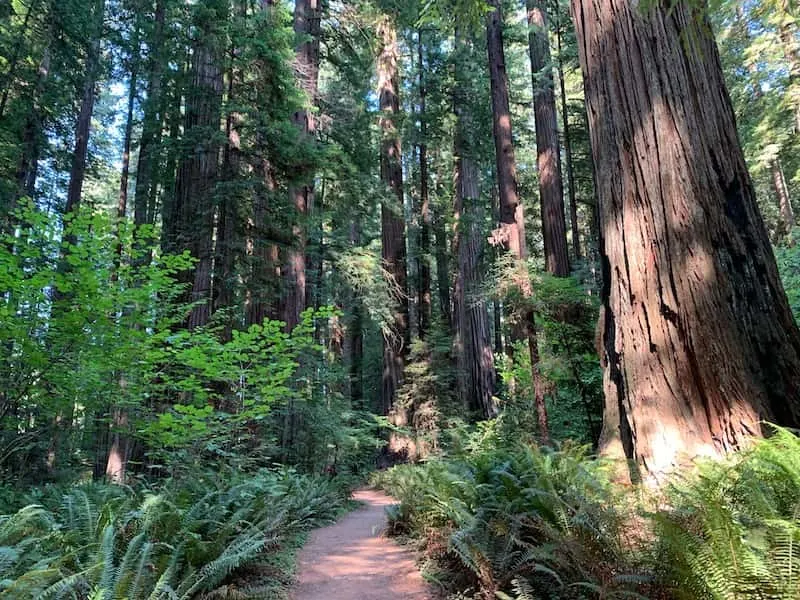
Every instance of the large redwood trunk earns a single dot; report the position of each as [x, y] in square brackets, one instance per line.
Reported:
[473, 336]
[551, 188]
[472, 332]
[307, 28]
[511, 232]
[199, 171]
[393, 225]
[699, 343]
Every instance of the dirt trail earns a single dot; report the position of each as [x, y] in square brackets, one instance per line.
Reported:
[352, 560]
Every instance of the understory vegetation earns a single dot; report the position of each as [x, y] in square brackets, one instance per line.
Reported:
[515, 521]
[216, 535]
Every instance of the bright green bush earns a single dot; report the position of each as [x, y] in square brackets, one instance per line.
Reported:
[189, 540]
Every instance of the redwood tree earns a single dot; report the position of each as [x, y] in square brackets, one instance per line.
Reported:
[551, 188]
[511, 232]
[472, 333]
[393, 227]
[198, 174]
[699, 343]
[307, 28]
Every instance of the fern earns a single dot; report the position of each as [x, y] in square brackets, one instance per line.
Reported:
[109, 543]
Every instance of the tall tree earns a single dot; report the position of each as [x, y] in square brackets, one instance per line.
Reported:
[551, 188]
[84, 122]
[511, 232]
[689, 275]
[425, 213]
[393, 225]
[472, 333]
[307, 30]
[144, 189]
[199, 170]
[568, 161]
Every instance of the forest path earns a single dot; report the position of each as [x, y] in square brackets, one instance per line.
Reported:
[352, 560]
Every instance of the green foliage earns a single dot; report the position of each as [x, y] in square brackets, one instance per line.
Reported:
[525, 522]
[80, 328]
[566, 318]
[788, 258]
[519, 517]
[733, 528]
[190, 540]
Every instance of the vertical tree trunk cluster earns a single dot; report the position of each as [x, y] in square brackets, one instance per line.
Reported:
[511, 232]
[145, 189]
[472, 337]
[198, 173]
[699, 344]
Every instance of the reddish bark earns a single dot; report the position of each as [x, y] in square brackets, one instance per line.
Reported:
[699, 344]
[551, 189]
[393, 225]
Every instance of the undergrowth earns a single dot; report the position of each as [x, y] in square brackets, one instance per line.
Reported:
[211, 537]
[513, 521]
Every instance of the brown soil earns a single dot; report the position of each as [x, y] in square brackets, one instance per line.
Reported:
[353, 560]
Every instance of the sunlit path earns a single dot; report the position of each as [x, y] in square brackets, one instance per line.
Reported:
[352, 560]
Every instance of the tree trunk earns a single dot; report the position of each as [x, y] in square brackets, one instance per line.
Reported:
[307, 28]
[32, 133]
[573, 202]
[393, 225]
[782, 194]
[551, 188]
[122, 199]
[472, 332]
[151, 123]
[511, 232]
[228, 242]
[83, 126]
[119, 451]
[699, 343]
[198, 172]
[355, 337]
[263, 254]
[442, 268]
[425, 217]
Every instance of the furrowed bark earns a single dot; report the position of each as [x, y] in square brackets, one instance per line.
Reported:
[699, 344]
[551, 189]
[393, 234]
